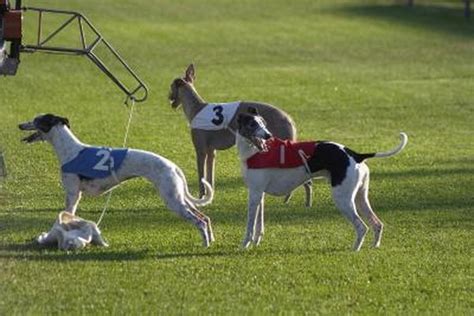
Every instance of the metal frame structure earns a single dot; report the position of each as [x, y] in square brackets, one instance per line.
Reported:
[87, 48]
[138, 92]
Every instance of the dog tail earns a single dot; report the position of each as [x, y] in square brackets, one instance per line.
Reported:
[396, 150]
[206, 199]
[384, 154]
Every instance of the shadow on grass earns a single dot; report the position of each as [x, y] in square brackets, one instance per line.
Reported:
[277, 212]
[458, 161]
[257, 253]
[33, 252]
[421, 173]
[30, 250]
[441, 19]
[210, 254]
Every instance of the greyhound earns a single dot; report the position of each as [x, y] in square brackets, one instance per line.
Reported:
[344, 168]
[95, 170]
[213, 125]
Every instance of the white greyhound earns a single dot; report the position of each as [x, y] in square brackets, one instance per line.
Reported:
[345, 169]
[96, 170]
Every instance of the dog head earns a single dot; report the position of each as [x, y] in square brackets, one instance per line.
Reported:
[253, 127]
[41, 125]
[187, 80]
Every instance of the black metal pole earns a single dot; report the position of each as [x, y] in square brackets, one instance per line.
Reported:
[86, 48]
[16, 44]
[467, 9]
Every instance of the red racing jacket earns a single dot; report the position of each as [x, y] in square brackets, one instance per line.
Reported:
[282, 154]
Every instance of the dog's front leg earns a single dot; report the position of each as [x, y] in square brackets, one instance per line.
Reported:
[71, 184]
[308, 187]
[72, 200]
[260, 229]
[210, 165]
[255, 198]
[200, 146]
[201, 166]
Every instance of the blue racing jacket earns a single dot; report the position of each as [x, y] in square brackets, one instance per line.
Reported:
[96, 162]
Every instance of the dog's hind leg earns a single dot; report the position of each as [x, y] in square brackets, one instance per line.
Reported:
[171, 189]
[205, 218]
[185, 212]
[344, 196]
[363, 204]
[255, 198]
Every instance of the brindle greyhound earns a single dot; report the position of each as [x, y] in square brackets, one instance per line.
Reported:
[222, 133]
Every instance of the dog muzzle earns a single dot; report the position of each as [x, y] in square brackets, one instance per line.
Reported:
[35, 137]
[259, 143]
[30, 126]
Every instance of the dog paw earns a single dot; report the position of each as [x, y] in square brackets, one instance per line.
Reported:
[42, 238]
[257, 240]
[205, 239]
[211, 237]
[376, 245]
[246, 243]
[357, 247]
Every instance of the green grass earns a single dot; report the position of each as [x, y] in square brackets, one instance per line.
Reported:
[356, 72]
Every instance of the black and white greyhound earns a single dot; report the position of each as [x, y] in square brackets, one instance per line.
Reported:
[345, 169]
[96, 170]
[213, 125]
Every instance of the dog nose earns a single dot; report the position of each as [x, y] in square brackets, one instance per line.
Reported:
[267, 136]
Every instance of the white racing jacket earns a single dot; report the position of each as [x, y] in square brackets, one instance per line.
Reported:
[215, 116]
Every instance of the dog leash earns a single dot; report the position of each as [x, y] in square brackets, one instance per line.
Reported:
[129, 102]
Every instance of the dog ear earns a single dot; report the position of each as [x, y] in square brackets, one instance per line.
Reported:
[190, 74]
[65, 121]
[44, 122]
[252, 110]
[179, 83]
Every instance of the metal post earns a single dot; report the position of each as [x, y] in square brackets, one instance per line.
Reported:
[3, 168]
[467, 9]
[40, 23]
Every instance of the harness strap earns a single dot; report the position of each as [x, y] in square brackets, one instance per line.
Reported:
[304, 158]
[112, 167]
[114, 175]
[231, 130]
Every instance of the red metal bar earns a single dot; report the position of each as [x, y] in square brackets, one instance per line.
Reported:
[12, 25]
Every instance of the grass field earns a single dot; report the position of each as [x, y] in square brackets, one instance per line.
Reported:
[356, 72]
